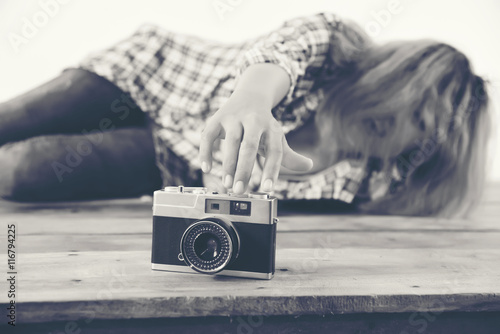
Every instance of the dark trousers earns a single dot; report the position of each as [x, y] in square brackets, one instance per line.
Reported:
[75, 137]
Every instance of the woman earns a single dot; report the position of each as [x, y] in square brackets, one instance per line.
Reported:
[394, 129]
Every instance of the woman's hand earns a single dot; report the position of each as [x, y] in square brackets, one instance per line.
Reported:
[248, 128]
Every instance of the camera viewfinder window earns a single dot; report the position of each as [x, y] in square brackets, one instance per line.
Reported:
[217, 206]
[240, 208]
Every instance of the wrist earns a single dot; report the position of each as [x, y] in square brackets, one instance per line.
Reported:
[267, 83]
[253, 98]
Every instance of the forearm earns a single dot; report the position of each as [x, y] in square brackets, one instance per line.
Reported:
[265, 83]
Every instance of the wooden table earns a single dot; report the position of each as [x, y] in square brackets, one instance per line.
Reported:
[85, 268]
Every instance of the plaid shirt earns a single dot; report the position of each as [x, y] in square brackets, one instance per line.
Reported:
[182, 80]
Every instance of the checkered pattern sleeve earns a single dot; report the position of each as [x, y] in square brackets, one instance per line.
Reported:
[298, 45]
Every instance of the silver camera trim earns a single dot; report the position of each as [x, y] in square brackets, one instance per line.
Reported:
[192, 205]
[233, 273]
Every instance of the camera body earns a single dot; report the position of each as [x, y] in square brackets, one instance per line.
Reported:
[212, 233]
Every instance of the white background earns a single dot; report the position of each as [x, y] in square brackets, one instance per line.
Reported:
[78, 27]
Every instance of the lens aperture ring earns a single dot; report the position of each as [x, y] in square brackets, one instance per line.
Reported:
[207, 236]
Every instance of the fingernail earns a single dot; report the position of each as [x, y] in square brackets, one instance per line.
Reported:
[228, 181]
[238, 188]
[204, 167]
[268, 185]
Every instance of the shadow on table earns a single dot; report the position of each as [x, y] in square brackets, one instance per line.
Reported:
[321, 206]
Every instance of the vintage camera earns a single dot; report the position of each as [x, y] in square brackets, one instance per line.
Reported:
[211, 233]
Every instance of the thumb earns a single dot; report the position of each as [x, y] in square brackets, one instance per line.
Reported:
[294, 161]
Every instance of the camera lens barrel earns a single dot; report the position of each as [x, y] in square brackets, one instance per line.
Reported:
[209, 245]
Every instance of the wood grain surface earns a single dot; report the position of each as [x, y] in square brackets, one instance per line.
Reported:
[91, 260]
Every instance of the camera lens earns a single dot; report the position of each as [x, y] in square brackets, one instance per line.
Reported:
[209, 245]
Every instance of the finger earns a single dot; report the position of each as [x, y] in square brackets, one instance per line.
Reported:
[294, 161]
[232, 143]
[246, 158]
[212, 131]
[274, 155]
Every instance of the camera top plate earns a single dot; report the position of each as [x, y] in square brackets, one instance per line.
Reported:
[191, 202]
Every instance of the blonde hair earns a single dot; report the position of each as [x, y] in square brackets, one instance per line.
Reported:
[415, 77]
